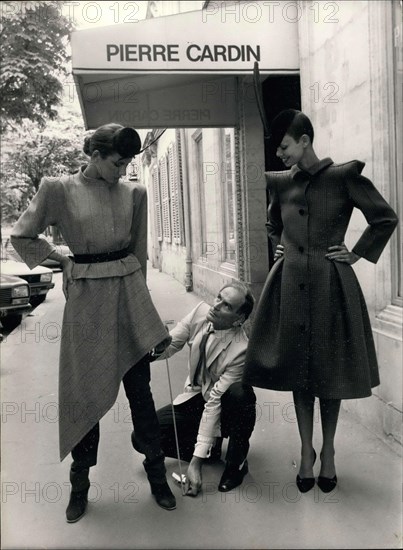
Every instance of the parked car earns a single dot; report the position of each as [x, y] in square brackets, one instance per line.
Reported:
[14, 301]
[39, 279]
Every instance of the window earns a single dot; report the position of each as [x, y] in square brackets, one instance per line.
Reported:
[229, 196]
[202, 192]
[397, 297]
[166, 199]
[175, 185]
[157, 203]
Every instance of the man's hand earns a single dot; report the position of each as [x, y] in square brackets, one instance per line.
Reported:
[340, 253]
[279, 253]
[194, 477]
[161, 347]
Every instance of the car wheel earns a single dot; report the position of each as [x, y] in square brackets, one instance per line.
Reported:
[11, 321]
[36, 300]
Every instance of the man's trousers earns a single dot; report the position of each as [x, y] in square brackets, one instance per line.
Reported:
[238, 416]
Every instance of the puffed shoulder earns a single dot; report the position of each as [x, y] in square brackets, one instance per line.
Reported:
[138, 189]
[49, 181]
[350, 168]
[276, 177]
[51, 184]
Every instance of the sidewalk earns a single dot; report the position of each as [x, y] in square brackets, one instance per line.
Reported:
[267, 511]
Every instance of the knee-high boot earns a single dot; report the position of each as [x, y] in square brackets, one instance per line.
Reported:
[156, 473]
[80, 485]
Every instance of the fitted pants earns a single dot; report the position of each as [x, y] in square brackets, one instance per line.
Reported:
[146, 434]
[238, 416]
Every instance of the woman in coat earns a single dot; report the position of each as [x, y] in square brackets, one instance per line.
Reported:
[110, 323]
[312, 333]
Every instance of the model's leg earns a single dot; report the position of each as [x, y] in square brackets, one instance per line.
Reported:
[304, 404]
[84, 456]
[146, 434]
[329, 412]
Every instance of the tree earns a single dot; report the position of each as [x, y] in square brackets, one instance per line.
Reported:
[33, 58]
[31, 152]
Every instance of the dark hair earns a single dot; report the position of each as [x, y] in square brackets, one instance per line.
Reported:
[247, 307]
[291, 122]
[113, 138]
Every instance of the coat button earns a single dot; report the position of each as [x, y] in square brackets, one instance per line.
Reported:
[301, 248]
[302, 286]
[301, 211]
[302, 328]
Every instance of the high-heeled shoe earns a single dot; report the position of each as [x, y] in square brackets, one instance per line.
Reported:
[305, 484]
[327, 484]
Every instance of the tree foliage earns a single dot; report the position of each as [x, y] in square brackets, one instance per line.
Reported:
[31, 152]
[33, 58]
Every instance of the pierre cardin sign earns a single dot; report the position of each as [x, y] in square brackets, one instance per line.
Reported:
[192, 42]
[194, 53]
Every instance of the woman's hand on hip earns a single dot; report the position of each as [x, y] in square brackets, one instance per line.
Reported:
[279, 253]
[340, 253]
[67, 266]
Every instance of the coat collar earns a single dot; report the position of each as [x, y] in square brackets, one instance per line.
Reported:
[297, 173]
[92, 181]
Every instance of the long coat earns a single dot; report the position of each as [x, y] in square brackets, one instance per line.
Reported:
[311, 329]
[109, 320]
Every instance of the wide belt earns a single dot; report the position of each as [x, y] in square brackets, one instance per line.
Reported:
[101, 257]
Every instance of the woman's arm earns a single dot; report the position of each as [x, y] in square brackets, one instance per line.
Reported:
[381, 218]
[40, 213]
[138, 243]
[274, 222]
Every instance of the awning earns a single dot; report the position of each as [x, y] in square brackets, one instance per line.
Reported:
[181, 70]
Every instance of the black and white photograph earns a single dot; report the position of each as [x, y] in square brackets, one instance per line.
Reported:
[201, 304]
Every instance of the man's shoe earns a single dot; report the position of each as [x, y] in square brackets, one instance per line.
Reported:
[232, 477]
[77, 505]
[163, 495]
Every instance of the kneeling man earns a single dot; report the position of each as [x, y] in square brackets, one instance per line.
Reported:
[210, 407]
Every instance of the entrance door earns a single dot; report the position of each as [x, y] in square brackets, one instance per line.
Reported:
[279, 92]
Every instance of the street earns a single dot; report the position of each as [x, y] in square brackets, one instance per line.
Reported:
[266, 511]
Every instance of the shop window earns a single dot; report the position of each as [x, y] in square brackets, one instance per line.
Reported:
[157, 202]
[229, 197]
[165, 199]
[175, 185]
[397, 297]
[198, 137]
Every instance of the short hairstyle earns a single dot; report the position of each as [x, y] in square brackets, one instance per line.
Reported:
[291, 122]
[113, 138]
[247, 307]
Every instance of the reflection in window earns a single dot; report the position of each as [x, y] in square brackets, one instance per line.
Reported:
[202, 192]
[398, 161]
[229, 186]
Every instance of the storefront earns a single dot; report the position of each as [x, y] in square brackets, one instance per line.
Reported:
[207, 215]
